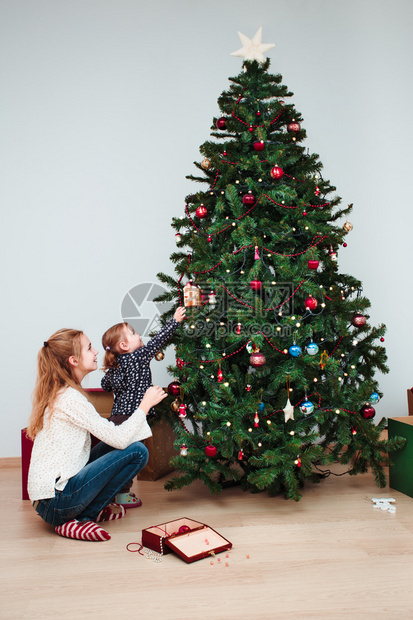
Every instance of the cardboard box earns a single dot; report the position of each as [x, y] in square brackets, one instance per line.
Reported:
[410, 401]
[401, 471]
[191, 540]
[101, 400]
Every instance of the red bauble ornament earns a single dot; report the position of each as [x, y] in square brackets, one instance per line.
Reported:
[259, 146]
[313, 264]
[210, 450]
[255, 285]
[311, 303]
[174, 388]
[382, 339]
[257, 359]
[251, 128]
[277, 172]
[201, 212]
[358, 320]
[248, 199]
[293, 126]
[221, 123]
[367, 412]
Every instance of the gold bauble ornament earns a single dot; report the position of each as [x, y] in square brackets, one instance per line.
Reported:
[206, 163]
[159, 356]
[175, 405]
[348, 226]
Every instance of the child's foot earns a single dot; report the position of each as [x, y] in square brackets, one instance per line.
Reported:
[111, 512]
[128, 500]
[82, 530]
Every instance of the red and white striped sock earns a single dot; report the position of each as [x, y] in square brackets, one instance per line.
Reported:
[82, 530]
[111, 512]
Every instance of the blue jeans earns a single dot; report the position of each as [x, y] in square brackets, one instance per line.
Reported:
[96, 485]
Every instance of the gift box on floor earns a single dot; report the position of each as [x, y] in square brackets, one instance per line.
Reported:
[191, 540]
[401, 470]
[101, 400]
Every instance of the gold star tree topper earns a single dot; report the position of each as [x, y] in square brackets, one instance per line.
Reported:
[253, 49]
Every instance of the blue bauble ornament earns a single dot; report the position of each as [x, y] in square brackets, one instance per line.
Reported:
[374, 398]
[312, 348]
[261, 406]
[307, 407]
[294, 350]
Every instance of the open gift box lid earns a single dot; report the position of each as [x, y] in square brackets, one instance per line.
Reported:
[191, 540]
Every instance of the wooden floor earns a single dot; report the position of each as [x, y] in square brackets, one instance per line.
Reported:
[332, 555]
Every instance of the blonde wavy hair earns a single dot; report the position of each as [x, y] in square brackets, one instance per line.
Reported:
[110, 342]
[53, 373]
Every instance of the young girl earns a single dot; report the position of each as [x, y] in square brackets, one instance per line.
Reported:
[128, 375]
[70, 485]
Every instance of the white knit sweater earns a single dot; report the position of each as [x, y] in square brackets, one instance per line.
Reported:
[62, 448]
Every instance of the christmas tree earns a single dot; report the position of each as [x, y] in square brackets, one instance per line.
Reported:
[275, 374]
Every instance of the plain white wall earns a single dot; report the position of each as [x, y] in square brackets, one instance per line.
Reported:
[104, 104]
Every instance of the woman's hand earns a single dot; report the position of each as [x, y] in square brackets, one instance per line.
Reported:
[179, 314]
[152, 397]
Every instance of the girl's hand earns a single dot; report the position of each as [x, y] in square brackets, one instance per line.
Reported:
[180, 314]
[152, 397]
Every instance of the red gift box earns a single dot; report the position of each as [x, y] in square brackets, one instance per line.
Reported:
[191, 540]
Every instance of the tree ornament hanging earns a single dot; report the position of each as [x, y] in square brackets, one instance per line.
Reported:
[293, 127]
[178, 238]
[180, 363]
[259, 145]
[182, 410]
[240, 454]
[175, 406]
[307, 407]
[294, 350]
[311, 303]
[332, 254]
[358, 320]
[367, 412]
[312, 348]
[288, 409]
[201, 212]
[256, 420]
[174, 388]
[277, 172]
[192, 295]
[206, 163]
[184, 450]
[212, 300]
[256, 253]
[210, 450]
[347, 226]
[248, 199]
[220, 376]
[221, 123]
[257, 359]
[374, 398]
[238, 329]
[159, 356]
[298, 461]
[255, 285]
[313, 264]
